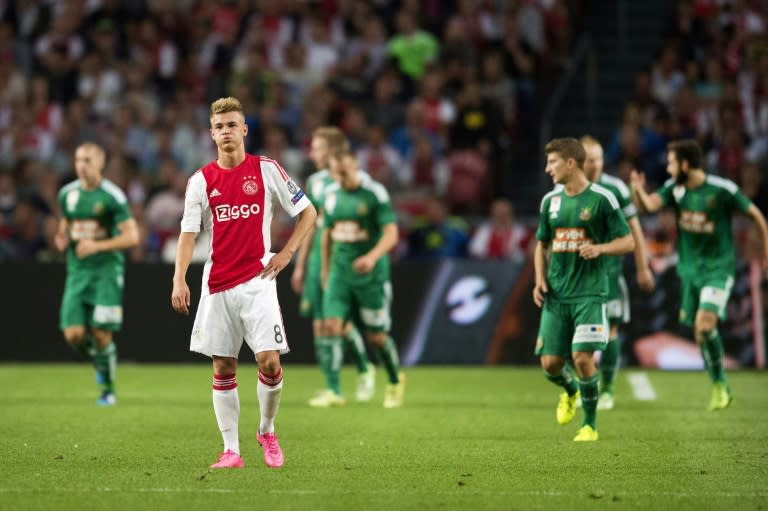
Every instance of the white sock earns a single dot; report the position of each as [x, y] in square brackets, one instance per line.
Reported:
[269, 390]
[226, 405]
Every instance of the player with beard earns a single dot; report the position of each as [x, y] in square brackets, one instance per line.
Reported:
[704, 205]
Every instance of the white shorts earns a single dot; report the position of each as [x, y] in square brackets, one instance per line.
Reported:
[247, 311]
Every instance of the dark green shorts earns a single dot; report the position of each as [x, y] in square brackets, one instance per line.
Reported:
[93, 299]
[708, 292]
[571, 327]
[370, 302]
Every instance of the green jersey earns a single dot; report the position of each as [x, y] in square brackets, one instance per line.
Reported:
[621, 191]
[705, 239]
[356, 219]
[93, 214]
[566, 223]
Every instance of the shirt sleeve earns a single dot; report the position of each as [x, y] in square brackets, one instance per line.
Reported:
[193, 203]
[625, 201]
[121, 211]
[615, 220]
[740, 201]
[665, 192]
[283, 188]
[543, 231]
[385, 214]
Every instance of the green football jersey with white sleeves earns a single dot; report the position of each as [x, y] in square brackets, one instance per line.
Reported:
[566, 223]
[621, 191]
[705, 239]
[356, 219]
[94, 214]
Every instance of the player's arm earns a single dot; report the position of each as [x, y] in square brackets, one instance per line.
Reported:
[180, 296]
[325, 256]
[644, 274]
[387, 241]
[297, 277]
[307, 218]
[127, 238]
[762, 227]
[540, 287]
[617, 246]
[647, 203]
[61, 238]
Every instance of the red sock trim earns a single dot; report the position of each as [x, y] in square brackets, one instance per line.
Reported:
[224, 381]
[271, 379]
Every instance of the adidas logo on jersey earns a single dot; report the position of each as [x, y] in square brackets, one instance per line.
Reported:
[214, 193]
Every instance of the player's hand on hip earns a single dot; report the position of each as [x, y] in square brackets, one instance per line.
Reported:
[275, 265]
[85, 248]
[589, 251]
[363, 264]
[180, 298]
[539, 291]
[645, 280]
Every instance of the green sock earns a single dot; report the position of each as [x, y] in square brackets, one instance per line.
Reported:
[105, 362]
[712, 351]
[609, 364]
[330, 354]
[391, 360]
[588, 387]
[564, 379]
[355, 342]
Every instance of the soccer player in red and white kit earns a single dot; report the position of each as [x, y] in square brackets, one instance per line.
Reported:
[233, 198]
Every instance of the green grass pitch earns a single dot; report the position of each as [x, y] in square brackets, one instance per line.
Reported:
[467, 438]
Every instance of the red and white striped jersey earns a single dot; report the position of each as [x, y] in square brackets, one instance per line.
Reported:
[236, 206]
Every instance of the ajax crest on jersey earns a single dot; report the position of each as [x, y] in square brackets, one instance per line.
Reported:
[250, 187]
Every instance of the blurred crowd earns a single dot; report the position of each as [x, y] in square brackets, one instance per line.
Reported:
[436, 97]
[431, 93]
[709, 81]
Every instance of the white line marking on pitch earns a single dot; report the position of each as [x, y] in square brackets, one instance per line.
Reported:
[641, 387]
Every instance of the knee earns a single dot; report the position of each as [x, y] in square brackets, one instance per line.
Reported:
[333, 327]
[584, 361]
[704, 325]
[102, 337]
[74, 335]
[552, 365]
[224, 365]
[269, 362]
[376, 338]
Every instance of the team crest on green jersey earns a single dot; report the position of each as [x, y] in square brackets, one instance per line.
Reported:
[711, 201]
[362, 209]
[98, 208]
[585, 214]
